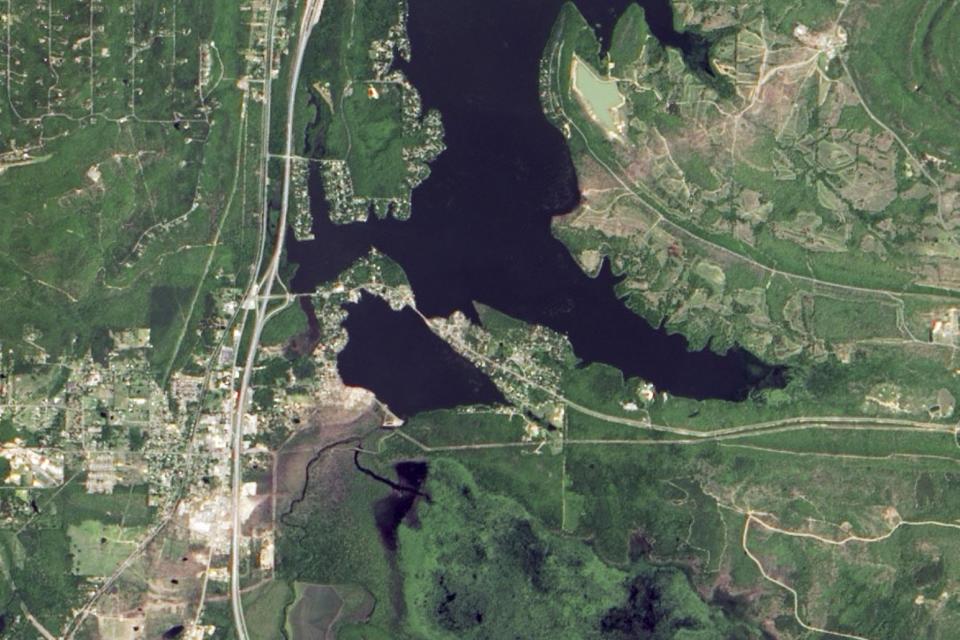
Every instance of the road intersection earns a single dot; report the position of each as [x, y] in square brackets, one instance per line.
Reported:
[260, 289]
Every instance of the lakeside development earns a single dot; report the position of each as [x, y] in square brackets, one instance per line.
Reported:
[387, 319]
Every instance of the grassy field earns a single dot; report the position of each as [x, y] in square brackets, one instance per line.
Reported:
[265, 608]
[370, 140]
[98, 548]
[127, 507]
[905, 63]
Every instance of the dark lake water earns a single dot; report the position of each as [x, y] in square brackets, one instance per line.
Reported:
[395, 355]
[480, 229]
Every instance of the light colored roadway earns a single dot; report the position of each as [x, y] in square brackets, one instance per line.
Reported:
[263, 288]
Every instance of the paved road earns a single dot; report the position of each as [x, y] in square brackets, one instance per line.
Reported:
[259, 293]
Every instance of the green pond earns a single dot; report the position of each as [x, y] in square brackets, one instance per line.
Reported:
[600, 94]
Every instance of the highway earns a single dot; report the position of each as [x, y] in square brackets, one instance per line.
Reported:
[258, 294]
